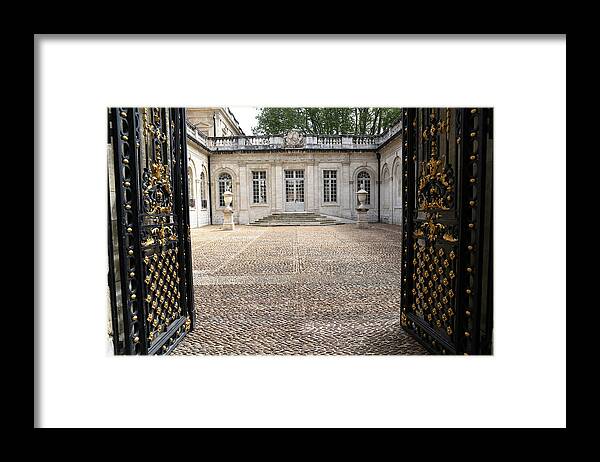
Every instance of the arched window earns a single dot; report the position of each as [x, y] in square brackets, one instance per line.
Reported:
[191, 188]
[224, 185]
[202, 190]
[364, 182]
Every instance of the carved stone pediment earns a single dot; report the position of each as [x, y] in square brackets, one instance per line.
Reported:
[293, 139]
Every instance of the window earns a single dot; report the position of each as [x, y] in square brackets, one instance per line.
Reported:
[364, 182]
[224, 185]
[329, 185]
[191, 196]
[203, 190]
[259, 187]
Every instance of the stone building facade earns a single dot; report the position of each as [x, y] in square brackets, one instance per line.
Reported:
[198, 181]
[214, 121]
[391, 182]
[293, 173]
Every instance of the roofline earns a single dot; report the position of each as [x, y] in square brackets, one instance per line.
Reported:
[236, 121]
[319, 134]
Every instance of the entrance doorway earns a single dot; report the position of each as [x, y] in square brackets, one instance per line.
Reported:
[294, 190]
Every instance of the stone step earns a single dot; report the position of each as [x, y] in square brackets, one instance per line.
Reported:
[290, 219]
[308, 221]
[295, 219]
[285, 217]
[303, 215]
[292, 223]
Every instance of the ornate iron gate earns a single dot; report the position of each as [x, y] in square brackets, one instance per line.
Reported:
[447, 229]
[150, 274]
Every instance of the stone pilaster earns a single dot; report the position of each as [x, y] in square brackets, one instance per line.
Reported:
[309, 180]
[243, 217]
[345, 190]
[278, 187]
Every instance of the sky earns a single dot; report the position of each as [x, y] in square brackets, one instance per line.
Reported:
[246, 116]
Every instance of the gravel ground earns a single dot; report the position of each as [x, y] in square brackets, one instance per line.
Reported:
[301, 290]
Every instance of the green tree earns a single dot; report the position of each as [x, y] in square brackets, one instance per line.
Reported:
[325, 120]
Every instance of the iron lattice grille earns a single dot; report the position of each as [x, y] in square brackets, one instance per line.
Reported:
[163, 301]
[152, 196]
[434, 291]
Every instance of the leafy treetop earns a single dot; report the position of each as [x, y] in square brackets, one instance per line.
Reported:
[325, 120]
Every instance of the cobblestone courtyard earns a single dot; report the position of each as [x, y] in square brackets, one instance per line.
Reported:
[297, 290]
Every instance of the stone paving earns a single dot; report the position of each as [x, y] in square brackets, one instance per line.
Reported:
[305, 290]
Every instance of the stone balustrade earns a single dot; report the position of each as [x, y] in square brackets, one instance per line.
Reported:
[390, 133]
[197, 136]
[312, 142]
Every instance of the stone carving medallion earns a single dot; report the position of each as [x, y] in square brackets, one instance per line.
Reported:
[293, 138]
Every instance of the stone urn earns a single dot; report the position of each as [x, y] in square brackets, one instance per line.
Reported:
[227, 212]
[361, 210]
